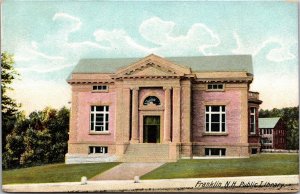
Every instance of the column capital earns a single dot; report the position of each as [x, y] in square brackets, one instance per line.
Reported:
[135, 88]
[167, 88]
[176, 87]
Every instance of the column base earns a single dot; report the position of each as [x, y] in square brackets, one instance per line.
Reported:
[134, 141]
[167, 141]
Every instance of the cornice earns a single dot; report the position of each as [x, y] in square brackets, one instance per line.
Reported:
[225, 80]
[87, 81]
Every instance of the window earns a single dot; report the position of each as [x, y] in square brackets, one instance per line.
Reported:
[151, 99]
[252, 120]
[215, 118]
[217, 87]
[266, 131]
[99, 118]
[254, 151]
[215, 151]
[100, 88]
[98, 150]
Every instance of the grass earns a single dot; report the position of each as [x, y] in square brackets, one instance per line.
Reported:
[259, 165]
[54, 173]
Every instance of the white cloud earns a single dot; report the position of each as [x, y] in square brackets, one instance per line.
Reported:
[280, 54]
[198, 39]
[34, 45]
[28, 58]
[156, 30]
[71, 23]
[120, 43]
[278, 49]
[201, 33]
[31, 56]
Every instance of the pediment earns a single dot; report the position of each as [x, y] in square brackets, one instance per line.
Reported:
[152, 66]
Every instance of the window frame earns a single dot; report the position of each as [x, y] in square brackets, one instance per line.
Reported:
[100, 88]
[157, 103]
[102, 150]
[105, 121]
[253, 114]
[220, 150]
[208, 88]
[220, 113]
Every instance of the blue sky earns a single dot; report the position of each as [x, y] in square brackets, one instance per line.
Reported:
[49, 37]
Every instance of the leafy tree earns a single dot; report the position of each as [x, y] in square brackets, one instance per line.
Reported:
[40, 138]
[8, 105]
[14, 147]
[37, 148]
[58, 129]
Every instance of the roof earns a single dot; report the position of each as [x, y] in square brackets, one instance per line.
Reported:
[268, 123]
[197, 64]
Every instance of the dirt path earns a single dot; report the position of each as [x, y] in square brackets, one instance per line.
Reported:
[127, 171]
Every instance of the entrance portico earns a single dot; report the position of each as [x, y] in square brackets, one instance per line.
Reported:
[150, 101]
[153, 87]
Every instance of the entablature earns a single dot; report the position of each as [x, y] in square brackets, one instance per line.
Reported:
[223, 77]
[90, 81]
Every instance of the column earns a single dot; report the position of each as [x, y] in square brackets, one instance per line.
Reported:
[176, 115]
[135, 115]
[126, 114]
[186, 111]
[244, 114]
[119, 118]
[167, 116]
[186, 146]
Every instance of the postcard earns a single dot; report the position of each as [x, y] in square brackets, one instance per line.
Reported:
[149, 96]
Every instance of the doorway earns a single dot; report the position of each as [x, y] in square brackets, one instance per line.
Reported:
[151, 129]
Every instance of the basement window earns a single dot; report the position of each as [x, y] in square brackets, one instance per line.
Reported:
[98, 150]
[215, 151]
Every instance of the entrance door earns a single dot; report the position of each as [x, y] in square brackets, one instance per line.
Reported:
[151, 129]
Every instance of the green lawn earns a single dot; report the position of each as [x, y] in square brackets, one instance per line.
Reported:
[54, 173]
[258, 165]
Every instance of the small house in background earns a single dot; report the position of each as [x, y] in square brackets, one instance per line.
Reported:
[273, 133]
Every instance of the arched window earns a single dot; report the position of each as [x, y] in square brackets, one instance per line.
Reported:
[152, 99]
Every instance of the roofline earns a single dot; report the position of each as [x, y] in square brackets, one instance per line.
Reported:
[166, 57]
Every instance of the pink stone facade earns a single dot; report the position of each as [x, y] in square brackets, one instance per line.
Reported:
[85, 101]
[232, 100]
[170, 126]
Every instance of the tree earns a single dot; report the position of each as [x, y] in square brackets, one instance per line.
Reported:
[40, 138]
[9, 106]
[37, 148]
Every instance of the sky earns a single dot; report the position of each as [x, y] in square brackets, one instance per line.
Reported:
[48, 38]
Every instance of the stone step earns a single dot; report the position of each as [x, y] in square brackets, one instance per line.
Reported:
[146, 160]
[146, 153]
